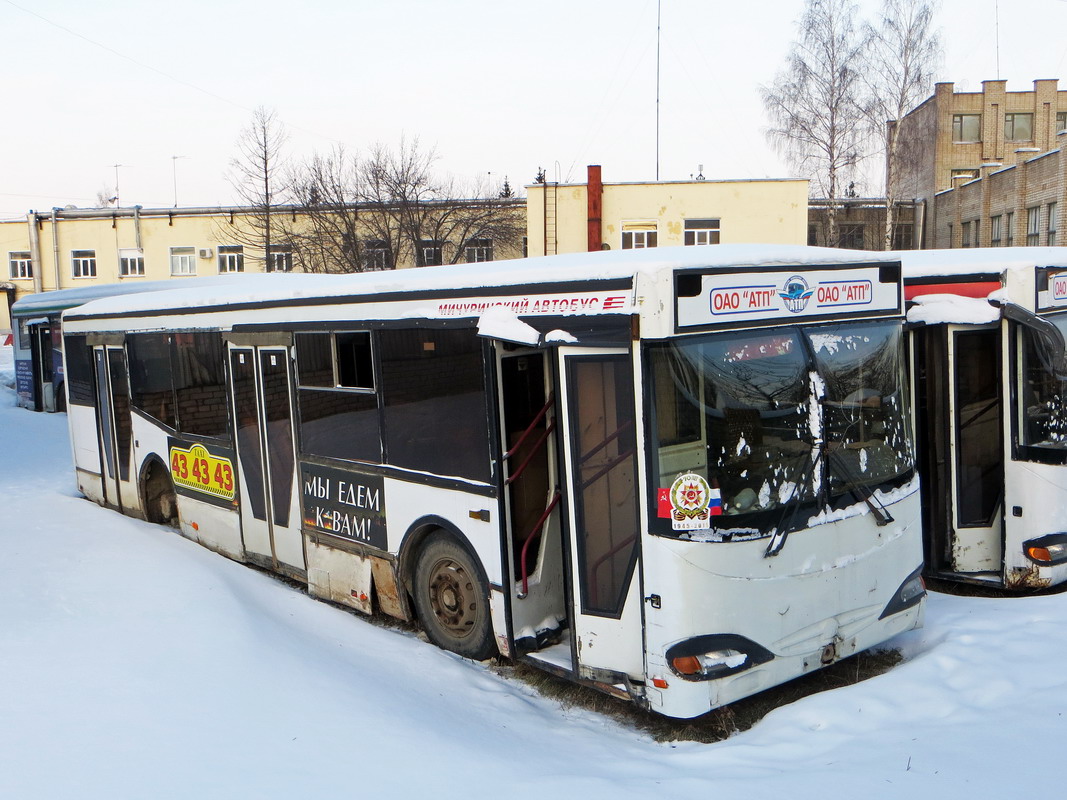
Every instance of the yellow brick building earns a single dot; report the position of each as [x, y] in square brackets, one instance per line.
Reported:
[577, 217]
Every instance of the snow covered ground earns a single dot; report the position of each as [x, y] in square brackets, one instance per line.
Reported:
[135, 664]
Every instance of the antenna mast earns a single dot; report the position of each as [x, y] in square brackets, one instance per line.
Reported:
[659, 5]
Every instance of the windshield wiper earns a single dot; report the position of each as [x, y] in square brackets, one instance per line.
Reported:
[859, 490]
[785, 526]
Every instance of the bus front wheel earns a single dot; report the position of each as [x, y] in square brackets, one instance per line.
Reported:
[452, 598]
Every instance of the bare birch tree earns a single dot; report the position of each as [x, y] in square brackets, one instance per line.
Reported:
[903, 54]
[390, 208]
[256, 176]
[815, 104]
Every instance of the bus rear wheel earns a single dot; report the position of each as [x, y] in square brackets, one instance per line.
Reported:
[452, 599]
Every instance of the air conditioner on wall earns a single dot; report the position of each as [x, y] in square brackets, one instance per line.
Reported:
[206, 252]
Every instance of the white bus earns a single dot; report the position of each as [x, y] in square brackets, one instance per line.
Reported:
[681, 476]
[987, 331]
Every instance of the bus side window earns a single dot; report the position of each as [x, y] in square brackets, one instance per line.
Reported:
[200, 384]
[433, 389]
[338, 406]
[151, 387]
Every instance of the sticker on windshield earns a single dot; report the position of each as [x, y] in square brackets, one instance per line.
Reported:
[693, 502]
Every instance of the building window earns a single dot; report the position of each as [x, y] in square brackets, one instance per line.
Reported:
[962, 175]
[280, 258]
[966, 127]
[637, 236]
[1009, 228]
[1061, 121]
[183, 261]
[131, 263]
[430, 253]
[813, 235]
[704, 231]
[83, 263]
[231, 258]
[850, 237]
[479, 250]
[1018, 127]
[1033, 226]
[904, 236]
[966, 230]
[1051, 224]
[525, 246]
[376, 255]
[994, 230]
[21, 265]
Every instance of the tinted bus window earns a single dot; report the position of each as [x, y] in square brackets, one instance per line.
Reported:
[79, 371]
[151, 389]
[433, 388]
[199, 383]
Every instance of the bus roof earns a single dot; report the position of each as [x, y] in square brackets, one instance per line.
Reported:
[918, 264]
[55, 301]
[532, 272]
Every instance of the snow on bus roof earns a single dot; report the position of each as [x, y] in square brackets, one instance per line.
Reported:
[261, 288]
[62, 299]
[933, 263]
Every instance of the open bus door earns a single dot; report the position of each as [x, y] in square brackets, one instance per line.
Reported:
[961, 433]
[270, 512]
[569, 433]
[114, 425]
[599, 424]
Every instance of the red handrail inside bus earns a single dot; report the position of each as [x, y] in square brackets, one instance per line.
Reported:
[533, 451]
[529, 429]
[530, 537]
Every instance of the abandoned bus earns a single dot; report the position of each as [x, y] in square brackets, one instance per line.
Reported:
[681, 476]
[986, 329]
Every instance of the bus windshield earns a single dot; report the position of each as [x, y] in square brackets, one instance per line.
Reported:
[781, 421]
[1044, 394]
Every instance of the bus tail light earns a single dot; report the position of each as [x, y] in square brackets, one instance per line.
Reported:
[704, 658]
[910, 593]
[1047, 551]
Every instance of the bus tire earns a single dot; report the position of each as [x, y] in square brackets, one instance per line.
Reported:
[452, 598]
[160, 501]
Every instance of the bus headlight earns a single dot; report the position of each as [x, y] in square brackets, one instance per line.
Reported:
[910, 593]
[1047, 551]
[704, 658]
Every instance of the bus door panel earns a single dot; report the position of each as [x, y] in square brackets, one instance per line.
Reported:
[270, 519]
[532, 499]
[977, 463]
[599, 432]
[114, 426]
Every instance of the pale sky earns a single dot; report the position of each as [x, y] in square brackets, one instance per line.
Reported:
[498, 88]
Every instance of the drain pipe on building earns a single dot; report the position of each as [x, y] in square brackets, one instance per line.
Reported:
[35, 250]
[55, 243]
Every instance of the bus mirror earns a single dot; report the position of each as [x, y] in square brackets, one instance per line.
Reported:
[1050, 345]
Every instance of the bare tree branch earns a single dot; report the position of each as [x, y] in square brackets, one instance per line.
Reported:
[256, 176]
[904, 52]
[815, 104]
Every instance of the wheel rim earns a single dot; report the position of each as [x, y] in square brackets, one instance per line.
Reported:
[453, 597]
